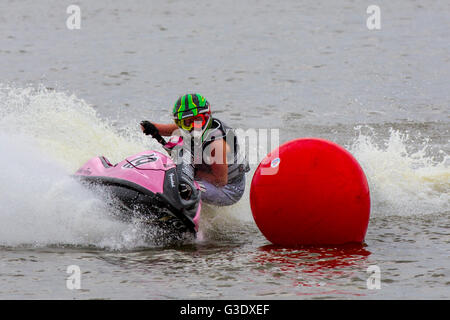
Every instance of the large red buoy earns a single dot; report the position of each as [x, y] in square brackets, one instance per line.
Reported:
[310, 191]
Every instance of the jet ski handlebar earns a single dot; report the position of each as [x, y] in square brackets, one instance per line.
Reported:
[150, 129]
[184, 160]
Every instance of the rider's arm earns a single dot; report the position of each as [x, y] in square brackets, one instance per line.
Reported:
[219, 166]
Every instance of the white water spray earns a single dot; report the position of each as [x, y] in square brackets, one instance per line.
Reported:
[44, 137]
[403, 182]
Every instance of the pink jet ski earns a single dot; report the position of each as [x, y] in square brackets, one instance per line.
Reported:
[158, 188]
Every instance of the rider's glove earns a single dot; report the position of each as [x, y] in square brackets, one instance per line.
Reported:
[149, 128]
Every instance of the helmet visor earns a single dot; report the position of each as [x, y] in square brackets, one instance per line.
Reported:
[192, 122]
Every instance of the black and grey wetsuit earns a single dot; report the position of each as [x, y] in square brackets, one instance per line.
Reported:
[237, 167]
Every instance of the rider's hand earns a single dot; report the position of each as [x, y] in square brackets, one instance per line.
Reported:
[148, 128]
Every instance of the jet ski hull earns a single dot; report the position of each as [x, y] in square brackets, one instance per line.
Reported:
[144, 186]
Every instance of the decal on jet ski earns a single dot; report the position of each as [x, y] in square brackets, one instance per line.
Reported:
[136, 162]
[172, 179]
[275, 162]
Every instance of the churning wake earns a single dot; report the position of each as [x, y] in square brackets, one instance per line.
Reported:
[47, 135]
[403, 181]
[44, 137]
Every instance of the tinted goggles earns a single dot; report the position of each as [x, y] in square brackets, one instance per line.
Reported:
[197, 121]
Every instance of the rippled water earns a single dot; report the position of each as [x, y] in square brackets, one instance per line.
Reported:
[309, 68]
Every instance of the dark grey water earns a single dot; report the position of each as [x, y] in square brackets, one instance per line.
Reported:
[309, 68]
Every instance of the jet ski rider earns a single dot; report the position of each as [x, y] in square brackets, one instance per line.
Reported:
[221, 170]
